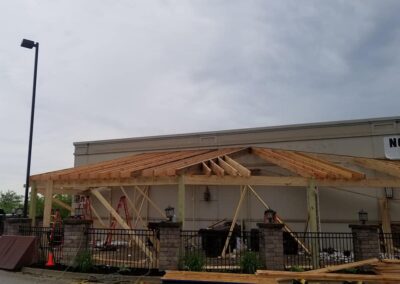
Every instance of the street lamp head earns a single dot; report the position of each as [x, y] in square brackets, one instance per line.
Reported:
[28, 43]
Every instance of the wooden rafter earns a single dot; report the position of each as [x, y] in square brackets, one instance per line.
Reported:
[217, 169]
[273, 158]
[387, 167]
[227, 168]
[206, 170]
[243, 171]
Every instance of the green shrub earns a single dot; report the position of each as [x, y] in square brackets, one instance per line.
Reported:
[249, 262]
[193, 261]
[84, 261]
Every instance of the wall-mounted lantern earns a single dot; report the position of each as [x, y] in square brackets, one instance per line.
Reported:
[269, 216]
[207, 194]
[389, 192]
[170, 212]
[362, 216]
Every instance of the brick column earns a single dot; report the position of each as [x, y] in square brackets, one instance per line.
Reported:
[75, 239]
[170, 243]
[365, 241]
[11, 225]
[271, 246]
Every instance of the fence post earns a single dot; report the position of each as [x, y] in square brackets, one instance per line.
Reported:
[365, 241]
[11, 225]
[170, 243]
[75, 239]
[271, 246]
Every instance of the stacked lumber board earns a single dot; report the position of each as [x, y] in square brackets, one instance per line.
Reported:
[387, 271]
[387, 267]
[213, 277]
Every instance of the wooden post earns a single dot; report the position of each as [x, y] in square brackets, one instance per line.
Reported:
[243, 190]
[32, 207]
[48, 198]
[121, 222]
[312, 209]
[181, 200]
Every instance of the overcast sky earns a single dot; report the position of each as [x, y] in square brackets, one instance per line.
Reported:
[117, 69]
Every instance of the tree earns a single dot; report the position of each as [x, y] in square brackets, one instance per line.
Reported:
[10, 200]
[62, 197]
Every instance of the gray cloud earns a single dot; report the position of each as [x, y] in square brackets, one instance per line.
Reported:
[113, 69]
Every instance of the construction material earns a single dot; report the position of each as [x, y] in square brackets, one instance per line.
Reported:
[212, 277]
[285, 275]
[343, 266]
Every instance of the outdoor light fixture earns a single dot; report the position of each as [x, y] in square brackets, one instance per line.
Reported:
[389, 192]
[362, 216]
[207, 194]
[269, 216]
[170, 212]
[30, 44]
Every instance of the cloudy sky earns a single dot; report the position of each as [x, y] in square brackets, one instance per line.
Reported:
[115, 69]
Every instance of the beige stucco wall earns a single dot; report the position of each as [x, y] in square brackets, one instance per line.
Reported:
[338, 207]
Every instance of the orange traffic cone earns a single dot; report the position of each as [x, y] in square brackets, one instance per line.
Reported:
[50, 260]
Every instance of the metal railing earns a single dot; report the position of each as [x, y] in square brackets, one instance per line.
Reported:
[50, 241]
[123, 248]
[204, 248]
[313, 250]
[389, 245]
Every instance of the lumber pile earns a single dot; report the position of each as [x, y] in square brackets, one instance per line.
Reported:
[387, 267]
[213, 277]
[386, 271]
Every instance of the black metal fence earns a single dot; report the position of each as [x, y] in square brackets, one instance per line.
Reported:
[206, 249]
[389, 245]
[124, 248]
[312, 250]
[50, 242]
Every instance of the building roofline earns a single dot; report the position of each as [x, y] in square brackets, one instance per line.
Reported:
[245, 130]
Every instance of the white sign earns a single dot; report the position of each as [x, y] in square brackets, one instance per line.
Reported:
[392, 147]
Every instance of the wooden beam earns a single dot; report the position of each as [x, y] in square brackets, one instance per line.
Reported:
[312, 209]
[242, 195]
[286, 275]
[133, 207]
[244, 172]
[290, 181]
[62, 204]
[33, 202]
[145, 190]
[206, 169]
[98, 217]
[162, 213]
[343, 266]
[285, 226]
[121, 221]
[48, 198]
[227, 167]
[181, 200]
[386, 167]
[217, 169]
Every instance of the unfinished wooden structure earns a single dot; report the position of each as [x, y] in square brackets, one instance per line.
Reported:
[219, 167]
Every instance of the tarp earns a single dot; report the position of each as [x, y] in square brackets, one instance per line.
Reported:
[17, 251]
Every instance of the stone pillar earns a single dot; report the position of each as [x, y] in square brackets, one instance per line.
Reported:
[271, 246]
[11, 225]
[170, 243]
[75, 239]
[365, 241]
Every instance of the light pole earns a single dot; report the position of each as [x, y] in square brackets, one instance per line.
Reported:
[30, 44]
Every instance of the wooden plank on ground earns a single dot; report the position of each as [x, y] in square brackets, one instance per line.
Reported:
[214, 277]
[344, 266]
[286, 275]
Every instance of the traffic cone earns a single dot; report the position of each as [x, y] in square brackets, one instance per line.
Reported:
[50, 260]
